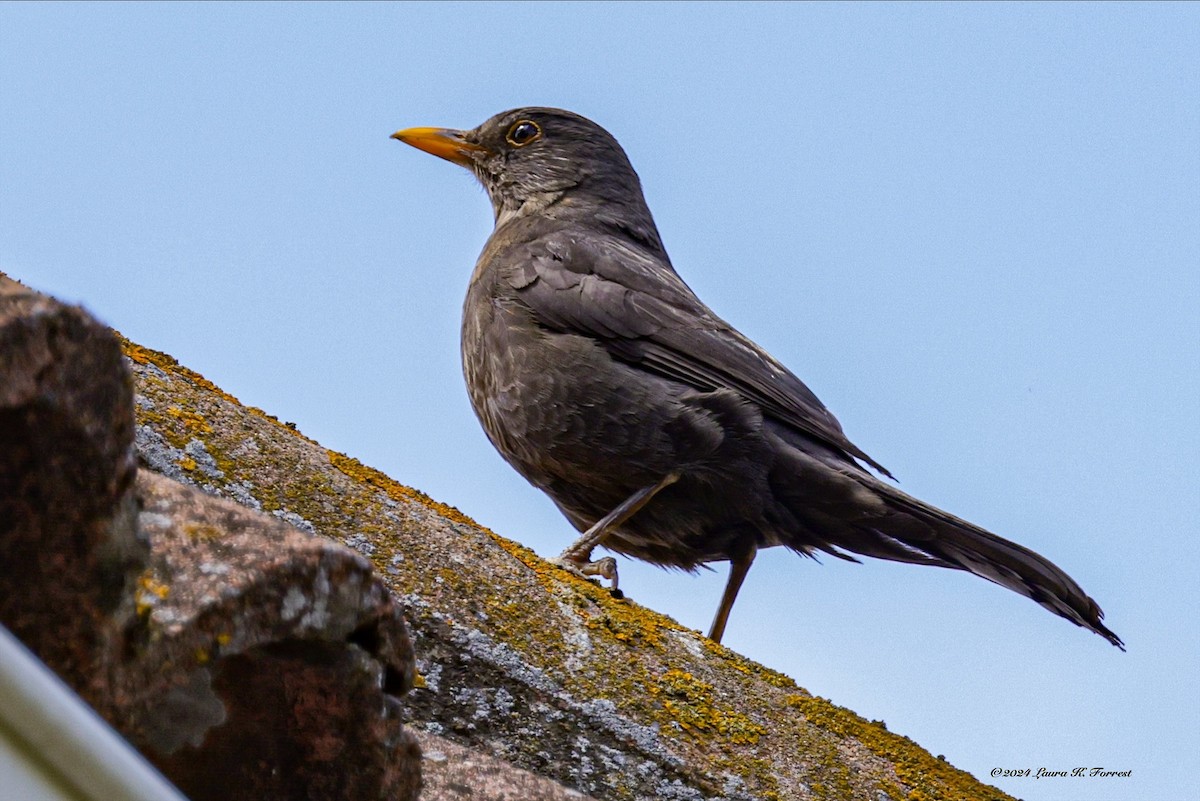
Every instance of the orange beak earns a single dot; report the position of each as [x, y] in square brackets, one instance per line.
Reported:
[444, 143]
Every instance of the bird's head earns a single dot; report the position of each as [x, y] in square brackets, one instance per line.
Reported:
[543, 160]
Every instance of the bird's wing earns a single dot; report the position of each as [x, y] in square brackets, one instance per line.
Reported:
[644, 314]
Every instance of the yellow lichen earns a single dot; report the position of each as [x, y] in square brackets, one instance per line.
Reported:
[691, 704]
[394, 489]
[193, 421]
[148, 593]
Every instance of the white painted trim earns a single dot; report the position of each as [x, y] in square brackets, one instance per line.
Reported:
[56, 746]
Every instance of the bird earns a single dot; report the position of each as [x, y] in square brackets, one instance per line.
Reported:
[659, 430]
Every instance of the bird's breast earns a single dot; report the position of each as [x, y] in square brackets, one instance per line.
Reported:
[559, 408]
[590, 430]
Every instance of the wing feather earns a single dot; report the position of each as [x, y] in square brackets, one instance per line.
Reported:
[634, 303]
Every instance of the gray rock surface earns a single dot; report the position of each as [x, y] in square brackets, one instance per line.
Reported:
[455, 773]
[245, 658]
[270, 661]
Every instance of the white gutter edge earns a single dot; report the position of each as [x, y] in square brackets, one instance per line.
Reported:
[55, 724]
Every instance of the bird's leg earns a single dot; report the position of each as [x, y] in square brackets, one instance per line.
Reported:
[578, 557]
[738, 568]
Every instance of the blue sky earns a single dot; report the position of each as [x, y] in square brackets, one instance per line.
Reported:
[973, 230]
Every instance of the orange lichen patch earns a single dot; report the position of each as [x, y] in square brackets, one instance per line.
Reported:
[749, 667]
[394, 489]
[193, 421]
[168, 364]
[690, 703]
[149, 592]
[136, 352]
[628, 622]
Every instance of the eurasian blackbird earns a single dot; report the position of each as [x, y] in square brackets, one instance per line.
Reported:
[658, 429]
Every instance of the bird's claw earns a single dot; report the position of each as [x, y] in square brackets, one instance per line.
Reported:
[604, 568]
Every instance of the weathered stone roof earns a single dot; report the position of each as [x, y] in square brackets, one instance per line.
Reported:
[246, 632]
[522, 661]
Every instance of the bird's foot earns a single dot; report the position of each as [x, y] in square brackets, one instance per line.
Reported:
[582, 566]
[578, 558]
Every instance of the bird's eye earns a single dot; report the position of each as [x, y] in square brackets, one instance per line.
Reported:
[523, 132]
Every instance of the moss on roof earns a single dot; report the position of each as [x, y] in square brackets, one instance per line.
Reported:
[525, 660]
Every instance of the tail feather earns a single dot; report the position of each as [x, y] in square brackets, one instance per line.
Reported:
[963, 545]
[836, 506]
